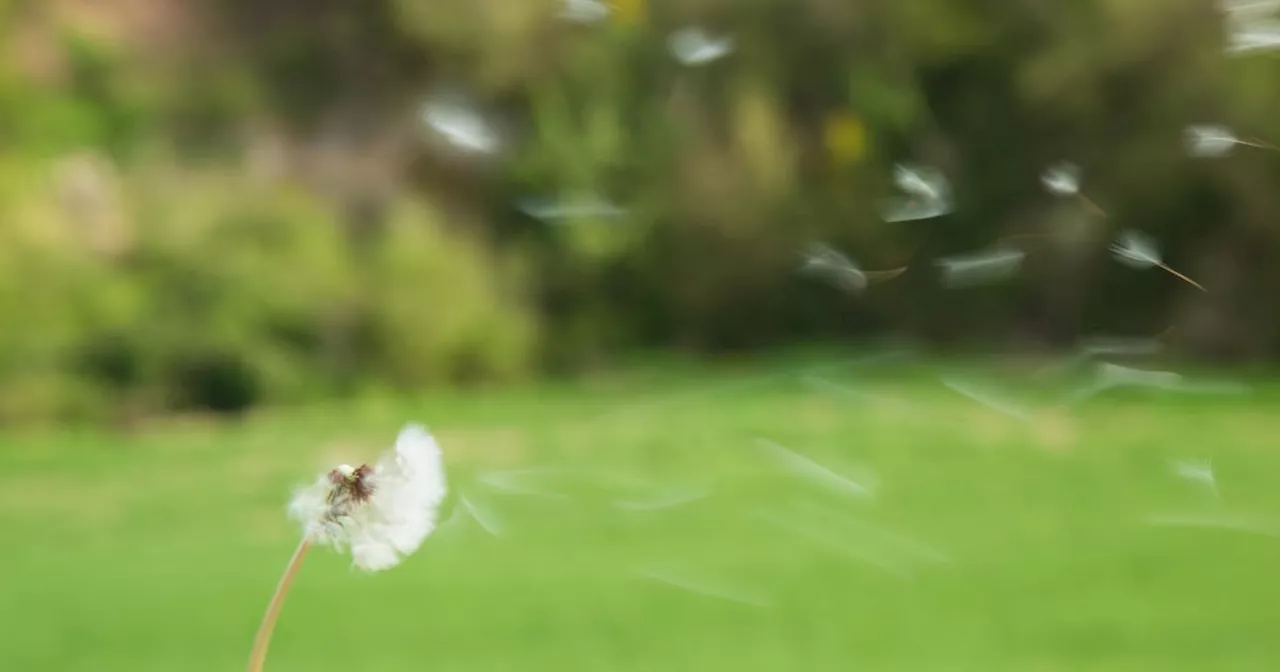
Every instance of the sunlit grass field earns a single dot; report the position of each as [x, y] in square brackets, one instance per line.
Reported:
[945, 536]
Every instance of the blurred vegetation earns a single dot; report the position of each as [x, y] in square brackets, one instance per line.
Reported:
[209, 205]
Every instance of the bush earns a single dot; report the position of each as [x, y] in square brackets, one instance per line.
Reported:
[236, 295]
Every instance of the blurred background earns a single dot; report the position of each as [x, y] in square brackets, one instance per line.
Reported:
[221, 205]
[476, 211]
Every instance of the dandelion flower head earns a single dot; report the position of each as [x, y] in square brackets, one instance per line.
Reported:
[381, 512]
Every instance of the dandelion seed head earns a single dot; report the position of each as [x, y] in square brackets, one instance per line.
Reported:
[381, 512]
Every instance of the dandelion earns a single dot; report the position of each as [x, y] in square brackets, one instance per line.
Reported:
[1134, 249]
[379, 513]
[1063, 179]
[693, 46]
[1215, 141]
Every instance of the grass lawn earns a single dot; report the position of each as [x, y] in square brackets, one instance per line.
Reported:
[946, 535]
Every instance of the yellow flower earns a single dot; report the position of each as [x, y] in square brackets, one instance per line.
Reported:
[845, 137]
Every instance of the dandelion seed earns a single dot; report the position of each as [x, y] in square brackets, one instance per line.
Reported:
[524, 481]
[583, 207]
[1259, 35]
[803, 466]
[930, 195]
[1108, 376]
[1063, 179]
[703, 586]
[693, 46]
[825, 538]
[462, 127]
[380, 513]
[1216, 140]
[1196, 471]
[667, 500]
[979, 268]
[485, 518]
[584, 11]
[1251, 525]
[821, 259]
[1136, 250]
[987, 398]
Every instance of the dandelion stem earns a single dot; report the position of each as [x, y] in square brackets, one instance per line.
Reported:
[1182, 277]
[263, 639]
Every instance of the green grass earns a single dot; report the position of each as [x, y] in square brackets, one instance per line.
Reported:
[159, 551]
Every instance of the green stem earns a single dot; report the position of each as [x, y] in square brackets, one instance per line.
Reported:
[263, 639]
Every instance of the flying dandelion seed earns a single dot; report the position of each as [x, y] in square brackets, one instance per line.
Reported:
[807, 468]
[667, 500]
[1213, 141]
[1252, 525]
[821, 259]
[584, 11]
[1196, 471]
[1108, 376]
[486, 518]
[703, 586]
[693, 46]
[1100, 346]
[380, 513]
[862, 529]
[987, 398]
[929, 191]
[463, 128]
[979, 268]
[1063, 179]
[836, 543]
[1136, 250]
[1260, 35]
[583, 207]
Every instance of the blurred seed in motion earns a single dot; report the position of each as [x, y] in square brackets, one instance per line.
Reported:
[1215, 140]
[929, 191]
[522, 482]
[1108, 376]
[821, 259]
[703, 586]
[1063, 179]
[584, 11]
[693, 46]
[987, 398]
[831, 540]
[1137, 250]
[666, 500]
[486, 518]
[807, 468]
[1196, 471]
[979, 268]
[463, 128]
[1249, 36]
[582, 207]
[1252, 525]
